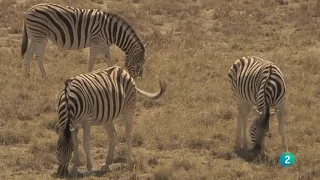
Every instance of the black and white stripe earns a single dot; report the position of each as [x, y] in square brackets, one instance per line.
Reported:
[257, 83]
[96, 99]
[73, 29]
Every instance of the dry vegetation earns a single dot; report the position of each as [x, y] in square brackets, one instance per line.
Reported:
[191, 133]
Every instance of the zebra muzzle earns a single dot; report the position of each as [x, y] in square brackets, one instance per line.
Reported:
[63, 171]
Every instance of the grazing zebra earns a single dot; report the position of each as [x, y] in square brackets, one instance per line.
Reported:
[259, 83]
[96, 99]
[74, 29]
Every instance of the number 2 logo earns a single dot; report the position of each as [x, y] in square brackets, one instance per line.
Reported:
[287, 161]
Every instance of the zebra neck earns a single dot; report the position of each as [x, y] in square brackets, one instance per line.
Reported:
[121, 34]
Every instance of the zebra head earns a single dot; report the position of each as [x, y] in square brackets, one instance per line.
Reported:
[64, 150]
[65, 145]
[259, 128]
[135, 63]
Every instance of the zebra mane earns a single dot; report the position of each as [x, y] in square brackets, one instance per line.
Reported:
[120, 19]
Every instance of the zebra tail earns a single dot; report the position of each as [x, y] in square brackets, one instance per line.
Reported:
[24, 44]
[266, 113]
[263, 120]
[153, 96]
[68, 129]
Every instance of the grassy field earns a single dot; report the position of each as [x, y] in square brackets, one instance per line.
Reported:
[191, 133]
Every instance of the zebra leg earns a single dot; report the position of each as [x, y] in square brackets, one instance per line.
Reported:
[76, 157]
[28, 56]
[109, 127]
[238, 133]
[280, 117]
[94, 51]
[39, 56]
[86, 144]
[108, 58]
[241, 138]
[128, 118]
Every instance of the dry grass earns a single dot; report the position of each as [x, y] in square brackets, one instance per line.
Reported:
[191, 133]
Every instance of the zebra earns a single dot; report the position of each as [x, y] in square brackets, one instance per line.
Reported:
[96, 99]
[259, 84]
[74, 29]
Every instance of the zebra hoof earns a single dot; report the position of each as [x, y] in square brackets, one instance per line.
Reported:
[89, 173]
[256, 149]
[245, 147]
[104, 168]
[74, 171]
[269, 135]
[77, 163]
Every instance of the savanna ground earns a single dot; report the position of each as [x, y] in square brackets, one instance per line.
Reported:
[190, 134]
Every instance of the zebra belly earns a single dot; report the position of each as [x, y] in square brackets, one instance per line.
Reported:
[108, 116]
[103, 121]
[246, 98]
